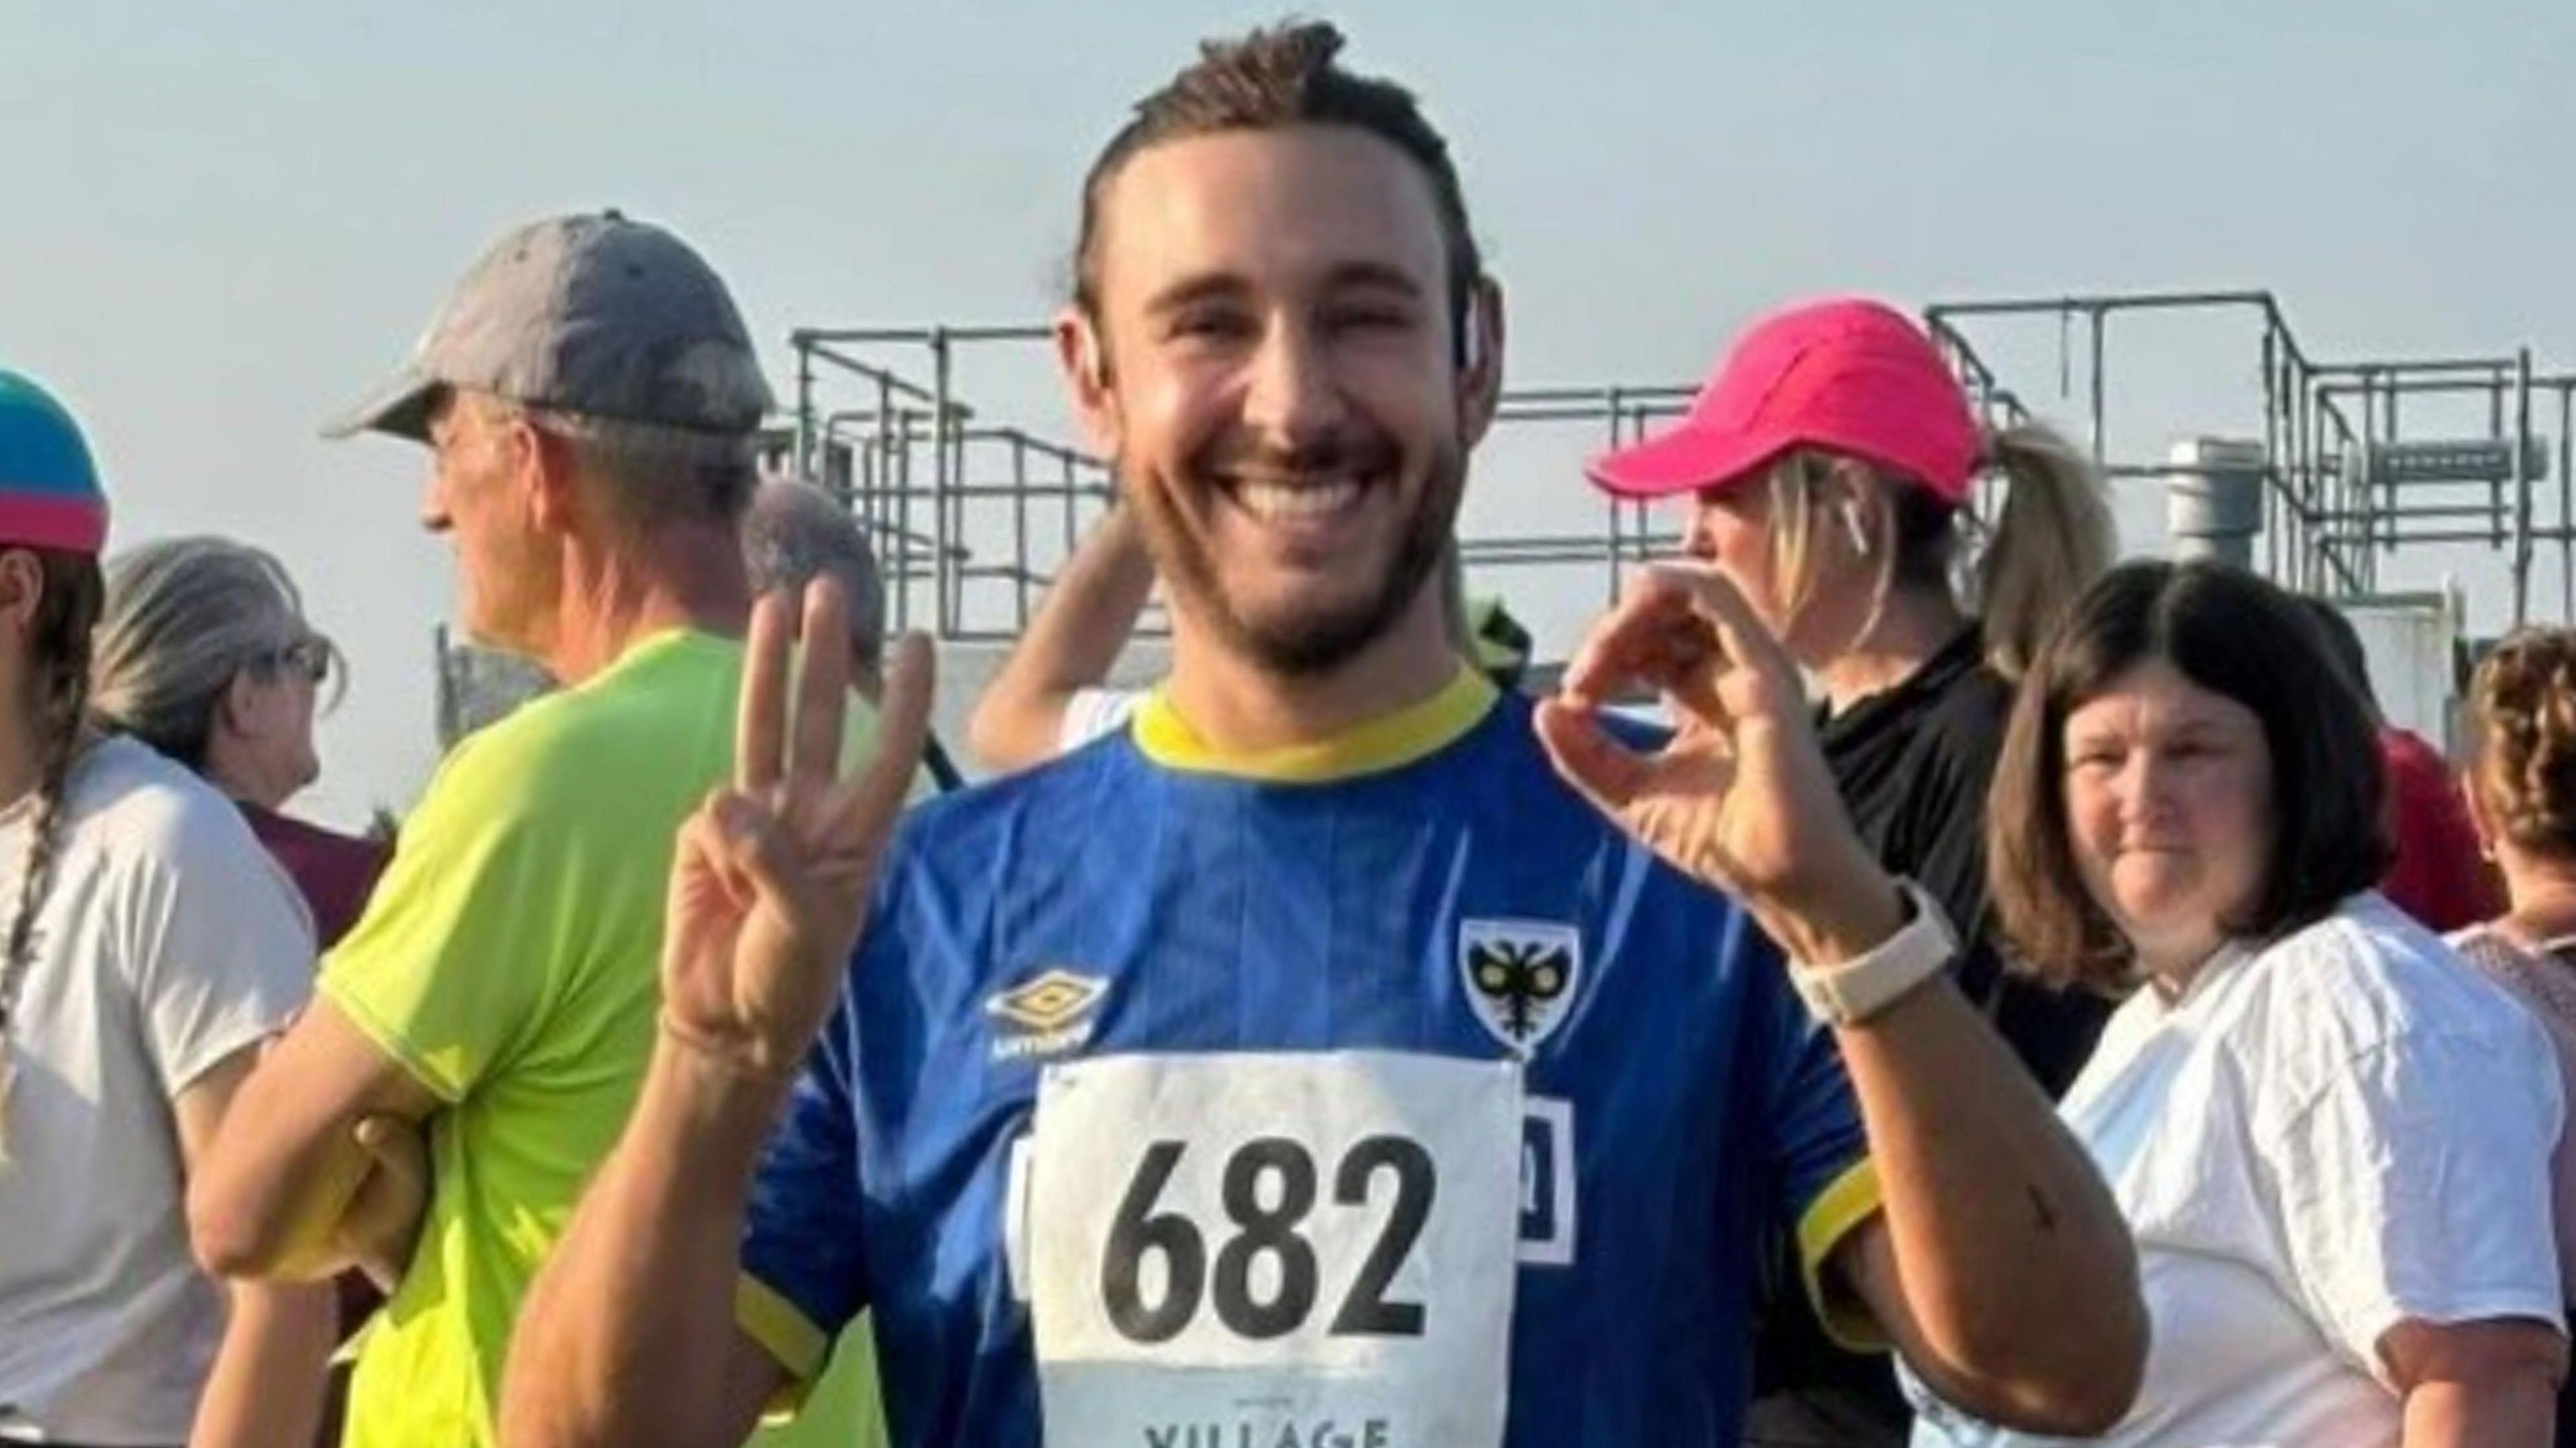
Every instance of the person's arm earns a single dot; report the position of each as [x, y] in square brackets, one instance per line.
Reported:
[430, 992]
[1999, 1267]
[613, 1342]
[769, 886]
[281, 1192]
[2435, 1267]
[1079, 630]
[266, 1387]
[1998, 1263]
[2476, 1383]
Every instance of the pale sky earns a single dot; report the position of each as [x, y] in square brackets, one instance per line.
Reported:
[221, 222]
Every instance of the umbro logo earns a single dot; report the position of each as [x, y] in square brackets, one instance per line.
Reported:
[1044, 1015]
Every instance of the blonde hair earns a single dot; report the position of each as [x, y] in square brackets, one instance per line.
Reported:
[2522, 708]
[2051, 540]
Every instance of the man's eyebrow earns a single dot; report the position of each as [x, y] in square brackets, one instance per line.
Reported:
[1192, 290]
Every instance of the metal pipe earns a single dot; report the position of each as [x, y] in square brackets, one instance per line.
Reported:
[891, 474]
[2446, 536]
[2481, 384]
[2417, 513]
[2113, 301]
[2566, 506]
[901, 469]
[2522, 488]
[945, 615]
[915, 336]
[2402, 365]
[1020, 524]
[2097, 387]
[804, 409]
[2495, 428]
[2271, 459]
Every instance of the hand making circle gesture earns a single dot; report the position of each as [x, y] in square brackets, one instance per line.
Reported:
[1739, 798]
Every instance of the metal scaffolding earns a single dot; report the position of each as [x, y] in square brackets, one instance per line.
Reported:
[2346, 484]
[973, 514]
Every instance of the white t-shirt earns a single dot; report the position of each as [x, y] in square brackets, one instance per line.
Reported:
[2542, 982]
[1095, 714]
[2322, 1138]
[167, 940]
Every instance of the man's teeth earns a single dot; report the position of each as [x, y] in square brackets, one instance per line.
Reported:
[1273, 501]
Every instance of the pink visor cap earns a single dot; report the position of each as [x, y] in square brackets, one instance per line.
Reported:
[1848, 376]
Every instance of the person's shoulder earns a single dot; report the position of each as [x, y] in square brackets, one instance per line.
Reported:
[578, 739]
[129, 797]
[1969, 712]
[299, 841]
[2421, 780]
[154, 824]
[279, 827]
[2405, 749]
[1081, 785]
[2363, 979]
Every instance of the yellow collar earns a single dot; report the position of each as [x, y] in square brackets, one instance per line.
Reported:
[1374, 746]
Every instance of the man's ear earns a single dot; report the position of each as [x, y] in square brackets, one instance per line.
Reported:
[542, 462]
[1083, 353]
[1480, 370]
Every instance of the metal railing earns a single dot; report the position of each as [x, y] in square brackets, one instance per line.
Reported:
[973, 515]
[2334, 505]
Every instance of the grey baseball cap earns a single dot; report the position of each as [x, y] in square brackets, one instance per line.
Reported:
[591, 314]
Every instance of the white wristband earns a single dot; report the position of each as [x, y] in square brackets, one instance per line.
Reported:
[1857, 989]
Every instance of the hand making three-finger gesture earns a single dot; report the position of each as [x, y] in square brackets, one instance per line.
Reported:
[772, 877]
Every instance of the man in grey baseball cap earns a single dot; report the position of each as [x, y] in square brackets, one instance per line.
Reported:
[592, 314]
[590, 398]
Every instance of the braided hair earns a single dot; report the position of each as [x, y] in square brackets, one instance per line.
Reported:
[2523, 709]
[59, 650]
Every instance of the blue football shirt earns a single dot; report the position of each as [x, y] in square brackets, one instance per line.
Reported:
[1423, 885]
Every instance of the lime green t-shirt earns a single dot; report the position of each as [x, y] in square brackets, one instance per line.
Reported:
[510, 960]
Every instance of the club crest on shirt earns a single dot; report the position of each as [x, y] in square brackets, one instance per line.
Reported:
[1520, 976]
[1044, 1015]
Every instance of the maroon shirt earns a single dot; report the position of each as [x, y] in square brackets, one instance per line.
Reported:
[336, 872]
[2439, 876]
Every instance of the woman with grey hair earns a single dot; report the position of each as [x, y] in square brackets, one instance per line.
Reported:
[204, 654]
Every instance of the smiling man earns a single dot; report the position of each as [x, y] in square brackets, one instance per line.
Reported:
[1312, 1065]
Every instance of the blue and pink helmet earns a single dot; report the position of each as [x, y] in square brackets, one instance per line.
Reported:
[49, 492]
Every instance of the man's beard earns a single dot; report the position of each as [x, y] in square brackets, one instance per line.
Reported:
[1315, 641]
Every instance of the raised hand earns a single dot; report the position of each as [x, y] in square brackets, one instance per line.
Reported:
[772, 877]
[1740, 797]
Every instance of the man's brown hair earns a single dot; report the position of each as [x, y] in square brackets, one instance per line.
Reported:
[1283, 75]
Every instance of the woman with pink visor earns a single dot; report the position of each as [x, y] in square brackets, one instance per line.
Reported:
[1829, 468]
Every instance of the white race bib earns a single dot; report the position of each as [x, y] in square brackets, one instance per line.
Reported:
[1275, 1250]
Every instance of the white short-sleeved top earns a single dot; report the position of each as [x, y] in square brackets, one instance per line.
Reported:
[2321, 1138]
[167, 940]
[1095, 714]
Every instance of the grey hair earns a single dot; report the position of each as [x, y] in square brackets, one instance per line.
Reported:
[655, 475]
[184, 617]
[793, 533]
